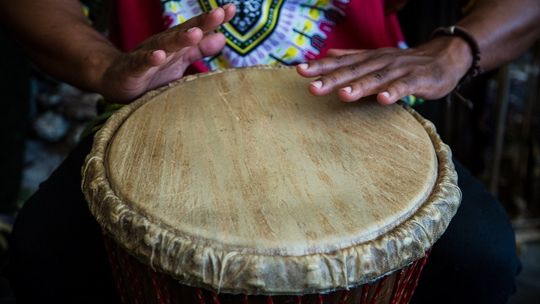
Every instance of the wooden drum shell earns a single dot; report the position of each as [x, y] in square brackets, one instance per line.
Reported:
[137, 283]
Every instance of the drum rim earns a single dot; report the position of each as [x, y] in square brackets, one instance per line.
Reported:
[343, 268]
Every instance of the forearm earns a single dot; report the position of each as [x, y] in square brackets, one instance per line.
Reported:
[58, 38]
[504, 29]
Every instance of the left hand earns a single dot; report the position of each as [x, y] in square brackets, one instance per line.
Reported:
[164, 57]
[430, 71]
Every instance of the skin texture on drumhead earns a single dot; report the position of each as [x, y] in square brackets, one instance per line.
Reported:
[249, 161]
[238, 181]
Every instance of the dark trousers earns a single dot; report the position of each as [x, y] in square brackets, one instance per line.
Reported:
[58, 255]
[15, 103]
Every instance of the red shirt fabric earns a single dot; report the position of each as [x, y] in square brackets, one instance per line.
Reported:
[134, 21]
[365, 26]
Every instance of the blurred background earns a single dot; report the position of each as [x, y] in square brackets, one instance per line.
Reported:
[498, 139]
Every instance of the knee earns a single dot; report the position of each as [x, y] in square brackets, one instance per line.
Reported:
[475, 261]
[470, 270]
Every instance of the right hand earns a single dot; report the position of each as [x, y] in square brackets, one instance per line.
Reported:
[429, 71]
[164, 57]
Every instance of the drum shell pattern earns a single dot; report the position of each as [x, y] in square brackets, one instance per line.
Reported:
[137, 283]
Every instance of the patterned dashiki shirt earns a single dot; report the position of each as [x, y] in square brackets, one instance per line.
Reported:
[265, 31]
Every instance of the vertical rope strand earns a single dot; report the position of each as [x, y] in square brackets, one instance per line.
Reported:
[114, 262]
[380, 283]
[199, 295]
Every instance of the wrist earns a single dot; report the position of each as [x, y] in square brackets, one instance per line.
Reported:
[468, 42]
[96, 65]
[454, 54]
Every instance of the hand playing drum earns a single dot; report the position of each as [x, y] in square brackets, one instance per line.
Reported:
[241, 186]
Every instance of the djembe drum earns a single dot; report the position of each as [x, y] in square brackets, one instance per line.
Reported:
[241, 187]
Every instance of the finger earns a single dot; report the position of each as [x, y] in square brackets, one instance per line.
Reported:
[189, 32]
[326, 65]
[398, 89]
[370, 84]
[338, 78]
[230, 11]
[140, 62]
[209, 21]
[329, 64]
[173, 41]
[210, 45]
[341, 52]
[157, 58]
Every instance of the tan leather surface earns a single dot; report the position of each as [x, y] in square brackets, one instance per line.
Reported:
[243, 182]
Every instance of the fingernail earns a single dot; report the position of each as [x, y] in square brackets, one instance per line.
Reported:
[190, 30]
[317, 84]
[385, 94]
[347, 90]
[213, 10]
[226, 6]
[303, 66]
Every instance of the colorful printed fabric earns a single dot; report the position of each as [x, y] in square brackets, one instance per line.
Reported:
[266, 31]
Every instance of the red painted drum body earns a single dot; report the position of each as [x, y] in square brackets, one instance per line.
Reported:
[240, 187]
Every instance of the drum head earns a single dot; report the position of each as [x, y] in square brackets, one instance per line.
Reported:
[242, 181]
